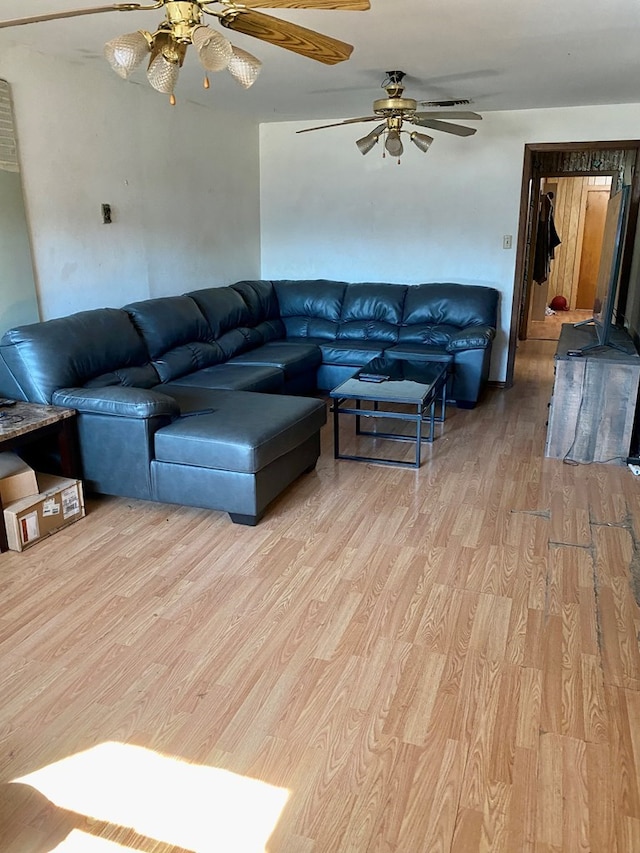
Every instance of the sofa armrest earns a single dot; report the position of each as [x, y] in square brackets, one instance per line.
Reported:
[117, 400]
[473, 337]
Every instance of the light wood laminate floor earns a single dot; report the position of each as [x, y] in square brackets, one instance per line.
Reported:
[549, 329]
[394, 660]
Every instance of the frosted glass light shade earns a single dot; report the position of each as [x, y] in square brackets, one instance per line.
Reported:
[126, 52]
[162, 74]
[421, 141]
[243, 67]
[214, 50]
[393, 144]
[367, 142]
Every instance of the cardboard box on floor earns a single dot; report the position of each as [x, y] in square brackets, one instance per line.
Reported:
[59, 503]
[17, 479]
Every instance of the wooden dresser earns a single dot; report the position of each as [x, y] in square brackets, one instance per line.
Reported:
[592, 410]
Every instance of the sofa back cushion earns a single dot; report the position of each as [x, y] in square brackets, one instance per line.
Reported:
[229, 319]
[311, 309]
[262, 302]
[99, 347]
[433, 312]
[372, 312]
[176, 334]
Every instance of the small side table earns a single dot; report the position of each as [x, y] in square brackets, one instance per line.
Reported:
[25, 423]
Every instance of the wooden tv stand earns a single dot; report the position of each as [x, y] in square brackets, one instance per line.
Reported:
[592, 410]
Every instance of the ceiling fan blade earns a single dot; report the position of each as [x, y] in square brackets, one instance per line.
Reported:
[339, 123]
[54, 16]
[345, 5]
[284, 34]
[447, 127]
[445, 102]
[467, 116]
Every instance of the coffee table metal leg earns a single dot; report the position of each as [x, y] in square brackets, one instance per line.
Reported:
[336, 430]
[418, 435]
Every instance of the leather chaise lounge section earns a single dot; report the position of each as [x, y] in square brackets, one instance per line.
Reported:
[199, 399]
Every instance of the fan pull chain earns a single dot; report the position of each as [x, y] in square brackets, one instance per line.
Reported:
[205, 82]
[172, 100]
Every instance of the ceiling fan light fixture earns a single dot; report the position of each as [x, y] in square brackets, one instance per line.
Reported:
[163, 75]
[393, 143]
[243, 67]
[367, 143]
[214, 50]
[421, 140]
[370, 140]
[124, 53]
[167, 56]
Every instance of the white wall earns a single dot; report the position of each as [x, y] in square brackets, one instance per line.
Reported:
[183, 184]
[329, 212]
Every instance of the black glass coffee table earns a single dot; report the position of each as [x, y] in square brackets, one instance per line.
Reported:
[419, 386]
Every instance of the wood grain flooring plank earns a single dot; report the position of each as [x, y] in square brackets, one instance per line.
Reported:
[550, 798]
[521, 825]
[600, 792]
[575, 829]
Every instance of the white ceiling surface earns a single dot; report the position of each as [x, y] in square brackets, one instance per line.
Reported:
[500, 54]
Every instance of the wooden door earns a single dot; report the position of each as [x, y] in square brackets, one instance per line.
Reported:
[594, 219]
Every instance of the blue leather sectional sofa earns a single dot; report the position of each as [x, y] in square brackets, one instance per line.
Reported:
[196, 399]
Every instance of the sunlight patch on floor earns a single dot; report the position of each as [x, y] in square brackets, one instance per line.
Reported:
[163, 798]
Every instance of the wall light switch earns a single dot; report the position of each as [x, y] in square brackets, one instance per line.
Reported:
[106, 214]
[506, 241]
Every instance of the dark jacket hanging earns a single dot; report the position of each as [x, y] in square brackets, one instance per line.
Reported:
[546, 240]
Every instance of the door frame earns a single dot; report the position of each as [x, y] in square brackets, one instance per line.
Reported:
[521, 288]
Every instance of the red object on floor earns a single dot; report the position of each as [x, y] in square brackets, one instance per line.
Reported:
[559, 303]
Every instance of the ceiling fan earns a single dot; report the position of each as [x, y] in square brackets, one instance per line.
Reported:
[183, 25]
[396, 110]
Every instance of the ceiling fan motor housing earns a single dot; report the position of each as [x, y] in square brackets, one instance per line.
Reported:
[182, 18]
[384, 106]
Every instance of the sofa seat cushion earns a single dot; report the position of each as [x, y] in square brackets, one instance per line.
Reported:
[292, 358]
[232, 377]
[238, 430]
[354, 353]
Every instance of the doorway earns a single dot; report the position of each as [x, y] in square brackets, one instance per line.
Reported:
[578, 159]
[579, 211]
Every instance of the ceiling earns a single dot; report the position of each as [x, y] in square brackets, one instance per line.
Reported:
[500, 54]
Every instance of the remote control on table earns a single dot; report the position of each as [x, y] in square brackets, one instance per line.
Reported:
[372, 377]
